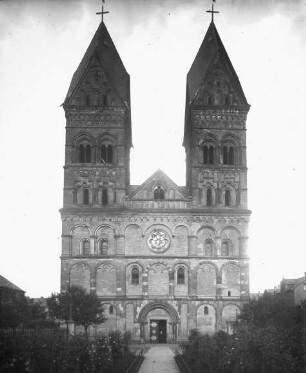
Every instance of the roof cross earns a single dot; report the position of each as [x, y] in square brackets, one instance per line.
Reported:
[212, 11]
[102, 12]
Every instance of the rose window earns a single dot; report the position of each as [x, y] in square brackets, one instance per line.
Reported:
[158, 240]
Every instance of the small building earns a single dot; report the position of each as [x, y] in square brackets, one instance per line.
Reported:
[9, 291]
[300, 290]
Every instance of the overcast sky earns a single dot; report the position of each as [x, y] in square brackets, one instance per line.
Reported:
[41, 45]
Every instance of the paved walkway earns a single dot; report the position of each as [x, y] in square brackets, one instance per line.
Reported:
[159, 359]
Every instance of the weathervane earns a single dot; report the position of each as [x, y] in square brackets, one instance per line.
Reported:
[212, 11]
[102, 12]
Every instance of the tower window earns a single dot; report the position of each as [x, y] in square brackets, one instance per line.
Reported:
[227, 198]
[205, 310]
[211, 155]
[229, 293]
[111, 310]
[231, 159]
[209, 197]
[103, 246]
[86, 196]
[84, 153]
[87, 100]
[225, 155]
[104, 197]
[226, 100]
[224, 249]
[181, 276]
[208, 154]
[209, 100]
[135, 276]
[159, 193]
[106, 153]
[86, 248]
[88, 154]
[81, 154]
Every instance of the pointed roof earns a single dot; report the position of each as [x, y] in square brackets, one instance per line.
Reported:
[103, 48]
[211, 50]
[158, 177]
[5, 283]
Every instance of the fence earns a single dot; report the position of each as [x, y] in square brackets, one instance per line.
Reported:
[181, 363]
[136, 363]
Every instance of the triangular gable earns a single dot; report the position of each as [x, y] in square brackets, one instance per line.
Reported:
[218, 83]
[145, 190]
[95, 87]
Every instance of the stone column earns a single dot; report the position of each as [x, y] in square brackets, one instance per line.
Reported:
[145, 284]
[119, 244]
[92, 245]
[218, 245]
[192, 250]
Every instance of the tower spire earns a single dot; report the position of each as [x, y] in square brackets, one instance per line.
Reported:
[212, 11]
[102, 12]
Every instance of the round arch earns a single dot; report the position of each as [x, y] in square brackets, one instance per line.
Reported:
[159, 304]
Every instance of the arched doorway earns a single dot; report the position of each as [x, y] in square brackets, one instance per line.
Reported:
[158, 323]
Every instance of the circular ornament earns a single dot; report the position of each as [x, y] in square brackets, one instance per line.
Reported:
[158, 241]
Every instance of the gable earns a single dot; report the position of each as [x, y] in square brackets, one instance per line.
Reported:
[217, 88]
[94, 88]
[158, 179]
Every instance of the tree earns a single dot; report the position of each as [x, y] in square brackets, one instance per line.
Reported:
[76, 305]
[86, 309]
[22, 312]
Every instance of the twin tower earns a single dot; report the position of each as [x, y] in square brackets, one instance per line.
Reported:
[162, 258]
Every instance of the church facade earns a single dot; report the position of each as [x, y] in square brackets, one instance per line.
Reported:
[163, 259]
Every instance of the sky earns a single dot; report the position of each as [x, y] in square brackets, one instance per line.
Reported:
[41, 45]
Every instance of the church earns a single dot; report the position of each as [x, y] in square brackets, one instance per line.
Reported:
[163, 259]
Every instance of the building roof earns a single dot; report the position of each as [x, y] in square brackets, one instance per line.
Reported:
[103, 48]
[5, 283]
[210, 51]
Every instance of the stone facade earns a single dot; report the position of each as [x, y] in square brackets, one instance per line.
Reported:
[163, 259]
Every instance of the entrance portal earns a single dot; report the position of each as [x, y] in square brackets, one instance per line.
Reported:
[158, 331]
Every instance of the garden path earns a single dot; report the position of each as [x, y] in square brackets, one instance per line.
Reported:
[159, 359]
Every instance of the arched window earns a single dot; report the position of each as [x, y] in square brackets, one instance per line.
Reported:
[205, 310]
[106, 153]
[225, 155]
[86, 248]
[227, 197]
[104, 197]
[86, 196]
[87, 100]
[135, 276]
[84, 153]
[209, 197]
[209, 100]
[229, 293]
[81, 154]
[159, 193]
[88, 154]
[181, 276]
[111, 310]
[224, 249]
[208, 154]
[205, 154]
[103, 246]
[211, 154]
[226, 100]
[231, 157]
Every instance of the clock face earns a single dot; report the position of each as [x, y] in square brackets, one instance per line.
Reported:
[158, 241]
